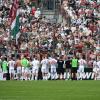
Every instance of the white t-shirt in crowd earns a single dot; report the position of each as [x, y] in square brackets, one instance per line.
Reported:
[37, 14]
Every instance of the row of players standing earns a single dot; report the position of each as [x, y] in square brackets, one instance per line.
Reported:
[51, 67]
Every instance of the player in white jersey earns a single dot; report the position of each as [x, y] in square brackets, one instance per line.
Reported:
[95, 69]
[35, 68]
[98, 63]
[82, 64]
[45, 68]
[11, 64]
[53, 64]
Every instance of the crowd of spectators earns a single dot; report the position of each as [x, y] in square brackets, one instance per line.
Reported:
[79, 34]
[83, 18]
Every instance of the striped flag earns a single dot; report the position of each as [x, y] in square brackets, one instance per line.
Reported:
[14, 16]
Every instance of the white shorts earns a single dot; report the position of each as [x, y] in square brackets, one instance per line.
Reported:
[96, 70]
[81, 69]
[23, 69]
[44, 70]
[1, 76]
[11, 70]
[35, 70]
[0, 70]
[27, 70]
[19, 70]
[53, 70]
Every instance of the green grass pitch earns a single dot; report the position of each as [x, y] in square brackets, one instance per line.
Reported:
[50, 90]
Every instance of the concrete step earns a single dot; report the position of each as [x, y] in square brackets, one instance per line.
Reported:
[48, 14]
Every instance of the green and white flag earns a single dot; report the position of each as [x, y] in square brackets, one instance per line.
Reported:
[15, 26]
[14, 15]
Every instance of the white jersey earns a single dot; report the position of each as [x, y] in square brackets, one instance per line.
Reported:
[11, 64]
[44, 63]
[53, 62]
[35, 64]
[82, 62]
[98, 64]
[94, 64]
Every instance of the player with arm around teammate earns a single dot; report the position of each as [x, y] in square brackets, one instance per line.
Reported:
[19, 68]
[82, 64]
[96, 69]
[45, 69]
[60, 68]
[35, 68]
[68, 68]
[25, 68]
[11, 64]
[53, 64]
[74, 68]
[4, 66]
